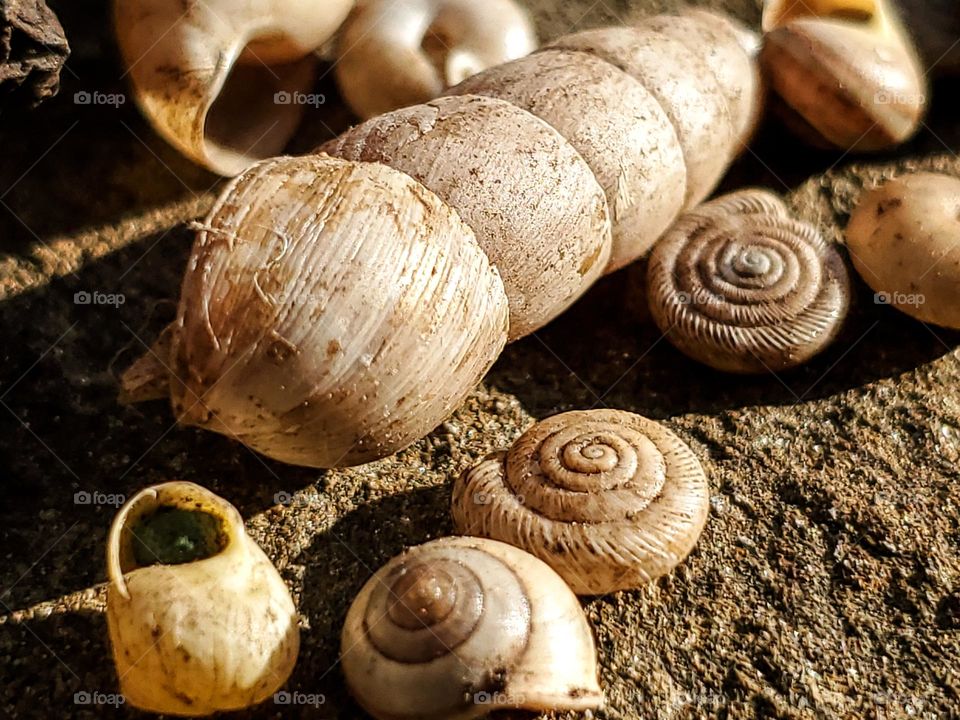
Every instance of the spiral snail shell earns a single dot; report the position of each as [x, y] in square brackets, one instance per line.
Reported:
[334, 313]
[608, 499]
[200, 621]
[460, 627]
[395, 53]
[658, 110]
[535, 206]
[740, 285]
[321, 300]
[846, 70]
[211, 76]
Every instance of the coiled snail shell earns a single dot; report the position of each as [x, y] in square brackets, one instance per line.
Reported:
[460, 627]
[740, 285]
[608, 499]
[211, 76]
[535, 206]
[846, 70]
[200, 621]
[321, 300]
[396, 53]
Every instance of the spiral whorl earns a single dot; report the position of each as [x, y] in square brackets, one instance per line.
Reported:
[740, 285]
[446, 626]
[607, 498]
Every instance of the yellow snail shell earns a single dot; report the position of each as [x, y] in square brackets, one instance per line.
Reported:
[658, 111]
[460, 627]
[904, 240]
[535, 206]
[198, 637]
[608, 499]
[846, 70]
[322, 301]
[740, 285]
[395, 53]
[212, 76]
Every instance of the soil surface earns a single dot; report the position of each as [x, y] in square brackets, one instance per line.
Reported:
[826, 584]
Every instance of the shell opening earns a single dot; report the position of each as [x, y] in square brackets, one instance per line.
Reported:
[173, 536]
[257, 111]
[180, 537]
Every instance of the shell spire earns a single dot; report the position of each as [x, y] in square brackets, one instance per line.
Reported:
[608, 499]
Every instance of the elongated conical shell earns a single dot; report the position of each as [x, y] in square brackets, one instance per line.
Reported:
[615, 124]
[742, 286]
[199, 637]
[460, 627]
[533, 202]
[608, 499]
[332, 313]
[224, 82]
[673, 57]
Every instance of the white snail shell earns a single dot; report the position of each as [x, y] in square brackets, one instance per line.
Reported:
[608, 499]
[846, 70]
[208, 74]
[460, 627]
[535, 206]
[658, 111]
[215, 634]
[395, 53]
[322, 300]
[904, 240]
[742, 286]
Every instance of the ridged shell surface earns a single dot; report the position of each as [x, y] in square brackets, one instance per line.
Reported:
[332, 313]
[742, 286]
[608, 499]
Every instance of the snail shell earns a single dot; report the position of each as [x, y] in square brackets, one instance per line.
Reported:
[904, 240]
[846, 71]
[535, 206]
[740, 285]
[395, 53]
[658, 111]
[212, 76]
[460, 627]
[608, 499]
[322, 300]
[202, 636]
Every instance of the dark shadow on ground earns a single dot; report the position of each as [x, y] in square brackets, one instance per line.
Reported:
[341, 560]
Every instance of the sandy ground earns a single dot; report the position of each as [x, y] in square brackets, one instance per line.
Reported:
[826, 584]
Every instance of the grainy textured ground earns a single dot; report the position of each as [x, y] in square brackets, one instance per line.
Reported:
[827, 582]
